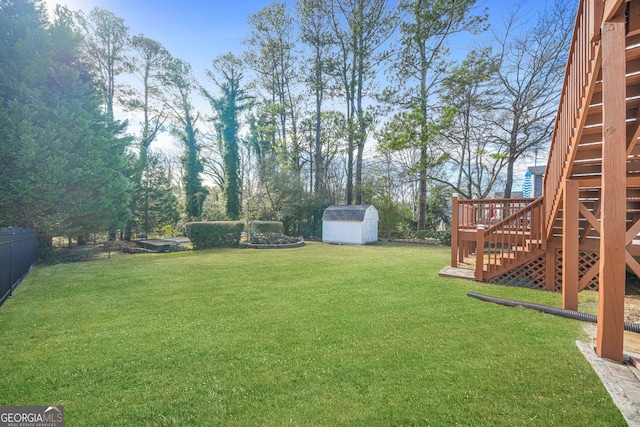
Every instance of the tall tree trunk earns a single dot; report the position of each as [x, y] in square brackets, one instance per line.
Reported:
[359, 158]
[350, 170]
[350, 148]
[422, 190]
[318, 148]
[361, 136]
[509, 182]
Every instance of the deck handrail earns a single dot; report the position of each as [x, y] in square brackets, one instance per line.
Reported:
[515, 235]
[467, 215]
[487, 212]
[579, 82]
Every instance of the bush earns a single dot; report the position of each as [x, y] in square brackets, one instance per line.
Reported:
[422, 234]
[444, 237]
[265, 227]
[273, 239]
[214, 234]
[76, 254]
[47, 255]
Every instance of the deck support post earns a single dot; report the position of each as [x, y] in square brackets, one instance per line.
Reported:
[479, 253]
[455, 226]
[613, 214]
[570, 245]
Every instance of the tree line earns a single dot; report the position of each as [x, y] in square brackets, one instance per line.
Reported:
[331, 102]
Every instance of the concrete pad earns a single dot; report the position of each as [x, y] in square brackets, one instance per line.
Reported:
[457, 273]
[622, 380]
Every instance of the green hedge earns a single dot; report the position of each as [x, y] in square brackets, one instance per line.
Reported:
[256, 227]
[214, 234]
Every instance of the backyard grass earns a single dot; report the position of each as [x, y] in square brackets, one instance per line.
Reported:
[321, 335]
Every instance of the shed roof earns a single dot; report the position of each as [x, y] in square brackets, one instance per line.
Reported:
[345, 213]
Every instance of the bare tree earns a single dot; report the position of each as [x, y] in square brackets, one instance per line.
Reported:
[468, 143]
[106, 38]
[531, 62]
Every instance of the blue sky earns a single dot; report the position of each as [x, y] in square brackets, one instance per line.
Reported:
[199, 30]
[193, 30]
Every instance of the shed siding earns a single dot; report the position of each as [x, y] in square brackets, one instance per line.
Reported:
[342, 232]
[371, 230]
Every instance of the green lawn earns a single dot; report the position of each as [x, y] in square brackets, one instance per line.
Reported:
[322, 335]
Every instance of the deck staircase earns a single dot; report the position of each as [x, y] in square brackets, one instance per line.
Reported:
[512, 242]
[585, 229]
[576, 152]
[509, 231]
[576, 159]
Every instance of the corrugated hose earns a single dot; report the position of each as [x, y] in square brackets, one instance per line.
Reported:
[570, 314]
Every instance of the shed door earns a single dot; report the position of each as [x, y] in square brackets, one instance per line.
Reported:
[371, 230]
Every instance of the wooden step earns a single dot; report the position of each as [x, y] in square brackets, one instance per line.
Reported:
[497, 267]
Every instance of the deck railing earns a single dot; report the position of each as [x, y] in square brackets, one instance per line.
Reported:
[487, 212]
[467, 215]
[579, 82]
[511, 238]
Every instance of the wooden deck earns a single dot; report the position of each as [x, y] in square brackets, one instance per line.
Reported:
[584, 231]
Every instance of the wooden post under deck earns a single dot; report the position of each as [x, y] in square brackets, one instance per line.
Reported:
[570, 245]
[455, 226]
[479, 252]
[613, 214]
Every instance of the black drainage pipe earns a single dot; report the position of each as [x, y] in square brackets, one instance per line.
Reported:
[570, 314]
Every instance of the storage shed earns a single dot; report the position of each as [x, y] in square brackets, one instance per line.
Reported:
[350, 224]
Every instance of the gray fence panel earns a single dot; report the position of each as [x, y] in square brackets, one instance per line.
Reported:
[18, 253]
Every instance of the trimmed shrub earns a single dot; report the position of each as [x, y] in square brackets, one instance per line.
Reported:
[265, 227]
[76, 254]
[214, 234]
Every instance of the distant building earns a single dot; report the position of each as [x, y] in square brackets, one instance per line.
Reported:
[537, 173]
[350, 224]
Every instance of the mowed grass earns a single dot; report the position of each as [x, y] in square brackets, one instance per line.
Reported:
[321, 335]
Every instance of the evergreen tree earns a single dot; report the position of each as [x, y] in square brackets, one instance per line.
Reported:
[272, 55]
[315, 33]
[61, 160]
[361, 28]
[157, 204]
[148, 65]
